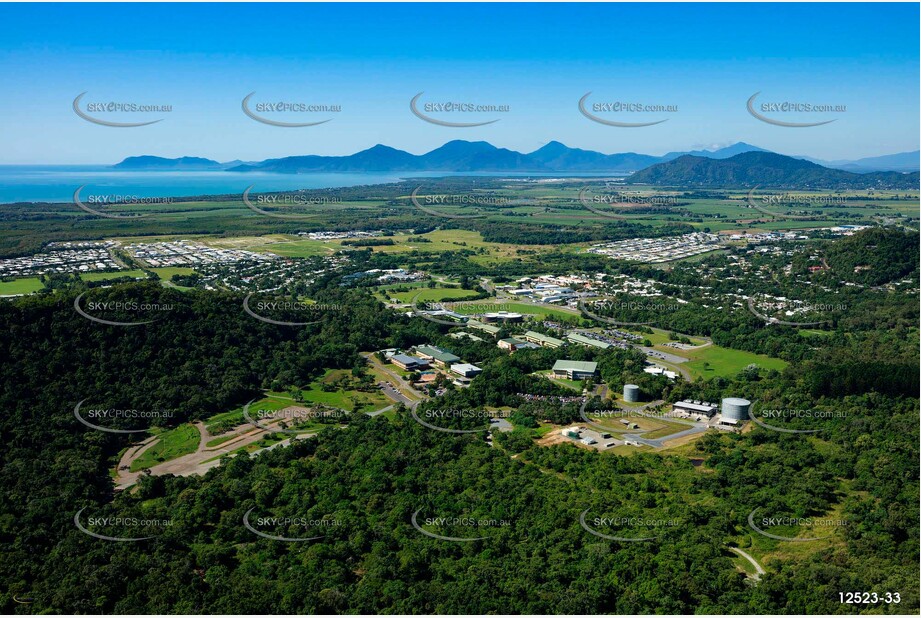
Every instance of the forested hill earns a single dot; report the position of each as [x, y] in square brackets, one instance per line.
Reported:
[766, 170]
[371, 477]
[875, 256]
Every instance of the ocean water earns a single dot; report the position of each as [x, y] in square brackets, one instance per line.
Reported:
[32, 183]
[57, 183]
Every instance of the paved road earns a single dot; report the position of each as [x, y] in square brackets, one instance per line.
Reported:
[666, 356]
[501, 424]
[381, 411]
[397, 396]
[398, 383]
[759, 570]
[660, 442]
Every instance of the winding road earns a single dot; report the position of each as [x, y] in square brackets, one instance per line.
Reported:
[759, 570]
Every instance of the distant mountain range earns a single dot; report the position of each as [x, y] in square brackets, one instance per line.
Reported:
[148, 163]
[767, 170]
[463, 156]
[901, 162]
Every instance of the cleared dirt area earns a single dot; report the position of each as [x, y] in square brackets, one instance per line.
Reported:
[204, 458]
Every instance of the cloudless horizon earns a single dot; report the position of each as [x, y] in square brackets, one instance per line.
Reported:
[538, 59]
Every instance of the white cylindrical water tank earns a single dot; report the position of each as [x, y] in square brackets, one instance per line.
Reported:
[631, 393]
[735, 408]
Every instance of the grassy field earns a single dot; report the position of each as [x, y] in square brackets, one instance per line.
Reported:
[659, 337]
[172, 443]
[27, 285]
[344, 399]
[627, 449]
[717, 361]
[668, 430]
[167, 272]
[440, 241]
[537, 310]
[137, 274]
[654, 427]
[435, 294]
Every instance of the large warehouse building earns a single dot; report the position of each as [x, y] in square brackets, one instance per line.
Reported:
[575, 370]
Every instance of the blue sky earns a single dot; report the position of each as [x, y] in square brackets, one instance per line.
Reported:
[371, 59]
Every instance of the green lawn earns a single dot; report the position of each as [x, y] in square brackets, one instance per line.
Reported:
[660, 336]
[432, 294]
[167, 272]
[137, 274]
[27, 285]
[668, 430]
[173, 443]
[717, 361]
[538, 310]
[344, 399]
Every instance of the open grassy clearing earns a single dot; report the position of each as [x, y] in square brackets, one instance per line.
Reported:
[103, 276]
[523, 308]
[166, 272]
[26, 285]
[660, 336]
[346, 399]
[432, 294]
[171, 444]
[653, 427]
[718, 361]
[287, 245]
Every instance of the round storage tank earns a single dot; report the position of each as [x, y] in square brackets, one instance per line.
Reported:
[631, 392]
[736, 409]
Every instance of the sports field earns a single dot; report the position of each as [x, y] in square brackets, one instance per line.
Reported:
[26, 285]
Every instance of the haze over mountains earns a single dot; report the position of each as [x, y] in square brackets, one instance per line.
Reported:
[464, 156]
